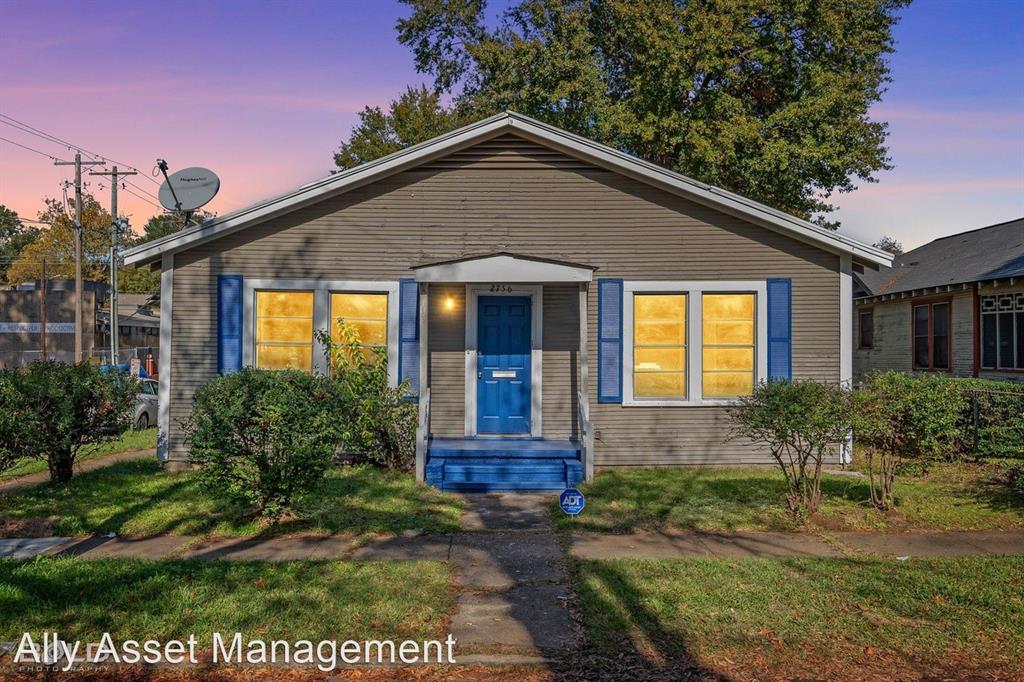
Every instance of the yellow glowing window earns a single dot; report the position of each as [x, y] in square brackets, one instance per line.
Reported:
[728, 351]
[367, 314]
[659, 346]
[284, 330]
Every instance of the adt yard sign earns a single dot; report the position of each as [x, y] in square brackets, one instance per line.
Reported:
[572, 501]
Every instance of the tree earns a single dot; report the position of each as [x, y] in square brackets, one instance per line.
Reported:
[133, 280]
[768, 98]
[800, 422]
[57, 244]
[889, 244]
[14, 237]
[417, 115]
[57, 411]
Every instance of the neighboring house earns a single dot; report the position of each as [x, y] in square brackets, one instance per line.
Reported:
[554, 304]
[138, 323]
[954, 305]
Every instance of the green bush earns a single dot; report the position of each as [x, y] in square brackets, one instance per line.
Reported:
[54, 411]
[1000, 417]
[801, 423]
[378, 422]
[263, 438]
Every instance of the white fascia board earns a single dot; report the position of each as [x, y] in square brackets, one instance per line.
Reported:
[319, 189]
[502, 269]
[573, 144]
[702, 193]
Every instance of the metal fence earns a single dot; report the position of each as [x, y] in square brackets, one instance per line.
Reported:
[996, 422]
[148, 357]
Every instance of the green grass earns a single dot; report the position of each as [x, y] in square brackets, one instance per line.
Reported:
[721, 609]
[948, 497]
[142, 599]
[138, 498]
[130, 440]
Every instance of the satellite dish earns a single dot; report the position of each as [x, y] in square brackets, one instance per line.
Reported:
[189, 189]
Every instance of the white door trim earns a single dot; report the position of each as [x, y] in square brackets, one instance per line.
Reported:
[536, 294]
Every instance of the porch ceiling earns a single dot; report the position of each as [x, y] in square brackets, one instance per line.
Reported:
[504, 267]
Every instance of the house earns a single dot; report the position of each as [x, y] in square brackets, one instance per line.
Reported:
[555, 305]
[138, 321]
[953, 306]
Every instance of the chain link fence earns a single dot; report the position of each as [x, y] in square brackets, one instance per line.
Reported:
[996, 423]
[148, 357]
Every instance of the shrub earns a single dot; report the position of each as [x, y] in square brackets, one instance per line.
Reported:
[54, 411]
[263, 438]
[379, 421]
[800, 422]
[900, 418]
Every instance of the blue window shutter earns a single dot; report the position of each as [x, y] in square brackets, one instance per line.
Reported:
[229, 323]
[780, 329]
[409, 334]
[609, 341]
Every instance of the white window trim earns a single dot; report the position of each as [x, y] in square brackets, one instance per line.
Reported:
[322, 290]
[536, 293]
[694, 333]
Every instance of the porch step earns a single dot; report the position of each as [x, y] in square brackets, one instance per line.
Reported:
[474, 465]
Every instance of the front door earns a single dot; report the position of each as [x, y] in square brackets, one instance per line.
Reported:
[503, 365]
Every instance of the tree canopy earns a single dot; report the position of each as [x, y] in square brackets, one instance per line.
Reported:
[14, 237]
[768, 98]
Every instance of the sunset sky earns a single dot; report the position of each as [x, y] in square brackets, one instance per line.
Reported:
[263, 92]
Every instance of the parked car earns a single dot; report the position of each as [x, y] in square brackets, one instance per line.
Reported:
[145, 404]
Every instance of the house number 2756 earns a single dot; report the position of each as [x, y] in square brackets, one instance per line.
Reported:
[501, 289]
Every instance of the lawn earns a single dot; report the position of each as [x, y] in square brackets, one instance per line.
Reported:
[142, 599]
[804, 616]
[139, 498]
[130, 440]
[966, 496]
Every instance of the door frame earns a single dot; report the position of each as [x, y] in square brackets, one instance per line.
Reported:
[536, 294]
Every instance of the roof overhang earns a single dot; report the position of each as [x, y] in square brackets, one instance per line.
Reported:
[503, 267]
[542, 133]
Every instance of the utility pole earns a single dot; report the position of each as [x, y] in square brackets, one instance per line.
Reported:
[42, 313]
[77, 163]
[115, 226]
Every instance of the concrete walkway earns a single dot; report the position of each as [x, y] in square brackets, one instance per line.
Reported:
[689, 544]
[29, 480]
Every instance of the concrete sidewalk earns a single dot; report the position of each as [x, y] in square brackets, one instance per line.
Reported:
[29, 480]
[690, 544]
[499, 559]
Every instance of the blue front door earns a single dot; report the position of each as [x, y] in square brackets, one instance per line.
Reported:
[503, 365]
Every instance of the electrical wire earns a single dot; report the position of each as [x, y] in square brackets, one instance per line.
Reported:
[18, 144]
[25, 127]
[139, 196]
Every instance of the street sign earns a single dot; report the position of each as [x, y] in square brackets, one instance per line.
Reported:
[135, 365]
[572, 501]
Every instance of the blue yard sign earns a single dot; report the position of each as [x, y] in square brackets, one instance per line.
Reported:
[572, 501]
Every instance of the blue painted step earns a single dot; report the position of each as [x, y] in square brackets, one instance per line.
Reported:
[494, 465]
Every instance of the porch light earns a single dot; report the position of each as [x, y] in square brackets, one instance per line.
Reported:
[449, 303]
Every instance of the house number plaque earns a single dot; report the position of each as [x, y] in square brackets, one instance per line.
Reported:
[501, 289]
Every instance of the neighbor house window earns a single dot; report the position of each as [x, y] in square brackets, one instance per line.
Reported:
[728, 345]
[1002, 331]
[867, 328]
[284, 330]
[931, 344]
[659, 346]
[367, 315]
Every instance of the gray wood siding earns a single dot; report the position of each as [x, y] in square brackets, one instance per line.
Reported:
[892, 341]
[512, 195]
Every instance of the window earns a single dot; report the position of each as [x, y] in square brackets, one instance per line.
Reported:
[367, 314]
[1002, 331]
[284, 330]
[659, 346]
[867, 328]
[931, 344]
[692, 342]
[728, 351]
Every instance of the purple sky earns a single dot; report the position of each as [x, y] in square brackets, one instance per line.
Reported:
[263, 92]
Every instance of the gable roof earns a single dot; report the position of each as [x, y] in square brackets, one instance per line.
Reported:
[504, 266]
[542, 133]
[987, 253]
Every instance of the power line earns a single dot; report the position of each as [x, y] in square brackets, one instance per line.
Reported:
[18, 144]
[148, 201]
[25, 127]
